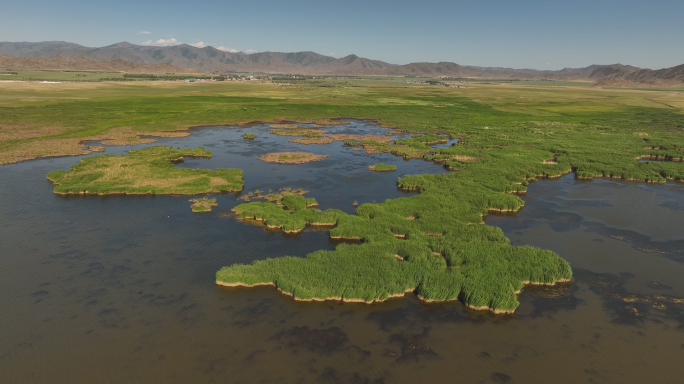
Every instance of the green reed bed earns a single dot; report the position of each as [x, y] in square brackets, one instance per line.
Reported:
[276, 197]
[303, 132]
[383, 168]
[203, 205]
[292, 216]
[249, 136]
[434, 244]
[481, 274]
[446, 254]
[145, 171]
[364, 143]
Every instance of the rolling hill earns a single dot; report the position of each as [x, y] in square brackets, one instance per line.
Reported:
[84, 63]
[207, 59]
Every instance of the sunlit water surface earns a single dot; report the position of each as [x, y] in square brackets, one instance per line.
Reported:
[121, 289]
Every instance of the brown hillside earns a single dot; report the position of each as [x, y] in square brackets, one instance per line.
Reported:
[613, 71]
[423, 69]
[665, 75]
[83, 63]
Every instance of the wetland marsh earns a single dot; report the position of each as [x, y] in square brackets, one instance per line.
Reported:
[134, 273]
[122, 286]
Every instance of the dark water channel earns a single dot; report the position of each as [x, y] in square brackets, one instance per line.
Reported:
[121, 289]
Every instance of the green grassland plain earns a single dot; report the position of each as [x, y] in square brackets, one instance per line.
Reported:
[57, 75]
[431, 243]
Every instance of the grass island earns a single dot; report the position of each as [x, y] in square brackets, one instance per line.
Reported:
[312, 140]
[383, 168]
[145, 171]
[291, 157]
[203, 205]
[249, 136]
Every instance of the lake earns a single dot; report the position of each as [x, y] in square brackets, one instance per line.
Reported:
[121, 289]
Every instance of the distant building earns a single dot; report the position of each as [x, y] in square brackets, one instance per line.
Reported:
[190, 80]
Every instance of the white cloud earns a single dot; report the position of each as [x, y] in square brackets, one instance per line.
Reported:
[144, 32]
[199, 44]
[250, 51]
[332, 53]
[162, 42]
[222, 48]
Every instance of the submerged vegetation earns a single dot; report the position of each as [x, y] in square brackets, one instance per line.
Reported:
[203, 205]
[145, 171]
[383, 168]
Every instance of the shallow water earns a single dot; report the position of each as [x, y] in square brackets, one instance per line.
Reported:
[121, 289]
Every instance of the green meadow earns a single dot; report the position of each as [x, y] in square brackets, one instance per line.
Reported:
[57, 75]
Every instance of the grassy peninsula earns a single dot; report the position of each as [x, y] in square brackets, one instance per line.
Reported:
[145, 171]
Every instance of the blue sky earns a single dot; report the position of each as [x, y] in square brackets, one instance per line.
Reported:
[547, 34]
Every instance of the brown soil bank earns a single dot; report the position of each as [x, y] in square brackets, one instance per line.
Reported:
[291, 157]
[392, 296]
[335, 298]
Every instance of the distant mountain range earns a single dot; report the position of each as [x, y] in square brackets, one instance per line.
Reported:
[210, 59]
[84, 63]
[207, 59]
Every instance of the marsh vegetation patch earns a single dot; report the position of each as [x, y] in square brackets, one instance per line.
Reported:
[313, 140]
[290, 212]
[383, 168]
[291, 157]
[145, 171]
[203, 205]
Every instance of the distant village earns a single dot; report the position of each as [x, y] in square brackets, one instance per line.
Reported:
[286, 79]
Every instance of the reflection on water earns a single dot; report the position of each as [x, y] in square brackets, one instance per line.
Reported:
[121, 289]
